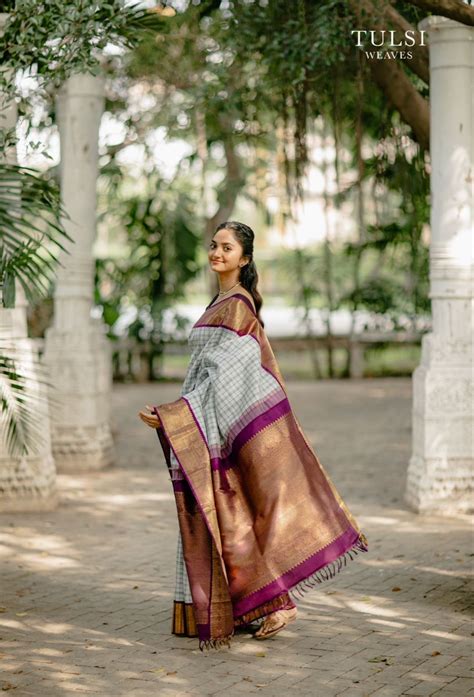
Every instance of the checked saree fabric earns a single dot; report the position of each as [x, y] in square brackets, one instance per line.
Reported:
[258, 515]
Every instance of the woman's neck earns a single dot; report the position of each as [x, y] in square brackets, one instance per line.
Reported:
[227, 281]
[228, 288]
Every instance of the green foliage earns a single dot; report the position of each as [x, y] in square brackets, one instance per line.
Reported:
[44, 40]
[21, 429]
[294, 51]
[409, 179]
[385, 285]
[291, 44]
[54, 40]
[245, 68]
[376, 295]
[193, 69]
[31, 233]
[162, 248]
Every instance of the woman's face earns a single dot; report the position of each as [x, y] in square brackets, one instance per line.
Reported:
[225, 252]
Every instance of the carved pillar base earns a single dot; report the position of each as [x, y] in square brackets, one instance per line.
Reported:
[28, 482]
[80, 368]
[82, 448]
[440, 472]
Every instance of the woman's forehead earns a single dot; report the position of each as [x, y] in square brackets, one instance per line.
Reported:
[224, 236]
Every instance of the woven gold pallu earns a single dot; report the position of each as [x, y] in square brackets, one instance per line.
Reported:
[258, 515]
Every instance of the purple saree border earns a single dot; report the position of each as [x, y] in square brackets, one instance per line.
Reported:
[251, 429]
[239, 296]
[225, 326]
[246, 417]
[262, 421]
[299, 573]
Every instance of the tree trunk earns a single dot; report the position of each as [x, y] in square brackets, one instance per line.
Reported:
[399, 90]
[379, 16]
[453, 9]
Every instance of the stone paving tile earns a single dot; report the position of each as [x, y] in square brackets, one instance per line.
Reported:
[86, 590]
[457, 688]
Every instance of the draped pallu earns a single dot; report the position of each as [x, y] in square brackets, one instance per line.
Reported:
[258, 515]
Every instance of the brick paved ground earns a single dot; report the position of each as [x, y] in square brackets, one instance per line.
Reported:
[86, 590]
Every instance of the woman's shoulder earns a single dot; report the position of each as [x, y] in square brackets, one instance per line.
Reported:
[238, 294]
[248, 296]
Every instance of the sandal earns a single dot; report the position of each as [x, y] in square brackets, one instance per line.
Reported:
[274, 623]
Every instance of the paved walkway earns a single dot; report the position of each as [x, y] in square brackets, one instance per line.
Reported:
[86, 591]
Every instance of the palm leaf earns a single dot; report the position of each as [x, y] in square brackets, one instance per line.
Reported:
[23, 401]
[31, 232]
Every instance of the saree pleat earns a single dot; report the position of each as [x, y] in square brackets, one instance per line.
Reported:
[183, 621]
[260, 519]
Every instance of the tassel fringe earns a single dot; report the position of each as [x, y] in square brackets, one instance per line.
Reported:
[323, 574]
[330, 570]
[278, 603]
[215, 643]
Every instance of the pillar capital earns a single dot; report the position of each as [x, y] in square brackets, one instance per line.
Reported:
[434, 23]
[451, 43]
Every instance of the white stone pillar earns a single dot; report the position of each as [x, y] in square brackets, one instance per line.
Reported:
[441, 467]
[77, 351]
[27, 482]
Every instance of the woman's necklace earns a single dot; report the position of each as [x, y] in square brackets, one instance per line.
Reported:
[224, 292]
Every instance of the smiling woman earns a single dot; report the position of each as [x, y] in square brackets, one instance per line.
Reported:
[231, 256]
[259, 517]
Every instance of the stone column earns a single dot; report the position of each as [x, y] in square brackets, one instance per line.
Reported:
[27, 482]
[77, 351]
[441, 467]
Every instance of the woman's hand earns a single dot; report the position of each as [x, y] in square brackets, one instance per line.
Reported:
[149, 419]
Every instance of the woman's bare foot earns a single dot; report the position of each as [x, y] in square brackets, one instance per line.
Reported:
[274, 623]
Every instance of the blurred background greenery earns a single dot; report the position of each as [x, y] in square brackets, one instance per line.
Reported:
[255, 111]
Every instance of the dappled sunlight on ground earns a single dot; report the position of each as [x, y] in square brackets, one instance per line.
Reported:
[87, 589]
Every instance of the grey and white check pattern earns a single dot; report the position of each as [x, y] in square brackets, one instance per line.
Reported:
[224, 380]
[182, 591]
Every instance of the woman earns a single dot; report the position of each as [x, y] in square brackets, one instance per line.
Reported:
[258, 515]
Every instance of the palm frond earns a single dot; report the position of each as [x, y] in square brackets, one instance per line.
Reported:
[23, 402]
[31, 232]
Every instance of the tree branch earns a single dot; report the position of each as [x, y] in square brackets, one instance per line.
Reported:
[400, 91]
[420, 62]
[453, 9]
[378, 17]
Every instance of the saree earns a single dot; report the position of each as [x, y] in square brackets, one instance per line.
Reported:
[259, 518]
